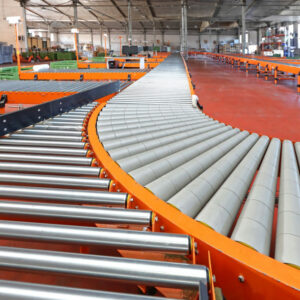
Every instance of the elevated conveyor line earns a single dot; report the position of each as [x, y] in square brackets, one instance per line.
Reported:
[224, 166]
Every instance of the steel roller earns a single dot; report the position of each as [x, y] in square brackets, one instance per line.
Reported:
[64, 195]
[156, 273]
[18, 210]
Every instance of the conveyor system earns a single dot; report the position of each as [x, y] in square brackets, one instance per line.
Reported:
[277, 68]
[180, 182]
[203, 168]
[54, 192]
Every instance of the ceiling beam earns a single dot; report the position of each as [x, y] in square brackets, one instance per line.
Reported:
[58, 10]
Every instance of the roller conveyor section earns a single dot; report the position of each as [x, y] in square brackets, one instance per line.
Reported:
[221, 211]
[254, 226]
[13, 290]
[140, 125]
[155, 273]
[179, 179]
[69, 213]
[207, 179]
[48, 86]
[157, 169]
[131, 162]
[288, 225]
[113, 238]
[141, 145]
[154, 131]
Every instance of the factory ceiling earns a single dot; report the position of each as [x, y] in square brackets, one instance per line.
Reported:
[163, 15]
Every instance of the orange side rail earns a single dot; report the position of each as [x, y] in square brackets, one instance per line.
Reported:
[86, 75]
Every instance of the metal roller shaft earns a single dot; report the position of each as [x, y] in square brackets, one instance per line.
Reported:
[46, 137]
[81, 182]
[115, 238]
[13, 290]
[44, 150]
[148, 272]
[49, 169]
[27, 142]
[57, 127]
[73, 213]
[68, 160]
[51, 132]
[65, 195]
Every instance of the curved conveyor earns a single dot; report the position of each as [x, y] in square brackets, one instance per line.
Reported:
[222, 177]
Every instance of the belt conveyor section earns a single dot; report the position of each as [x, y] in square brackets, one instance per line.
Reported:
[222, 177]
[53, 192]
[84, 74]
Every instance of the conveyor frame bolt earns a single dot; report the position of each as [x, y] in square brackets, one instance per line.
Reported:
[241, 278]
[162, 228]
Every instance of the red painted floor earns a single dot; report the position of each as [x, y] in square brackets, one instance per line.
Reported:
[247, 102]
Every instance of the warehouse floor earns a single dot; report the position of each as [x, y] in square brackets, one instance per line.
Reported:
[247, 102]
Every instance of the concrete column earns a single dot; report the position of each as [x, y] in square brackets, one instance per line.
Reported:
[163, 37]
[154, 34]
[101, 35]
[49, 34]
[75, 22]
[109, 39]
[25, 25]
[244, 27]
[182, 30]
[145, 37]
[92, 39]
[129, 23]
[185, 31]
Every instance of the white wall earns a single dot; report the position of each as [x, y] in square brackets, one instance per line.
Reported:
[207, 41]
[7, 9]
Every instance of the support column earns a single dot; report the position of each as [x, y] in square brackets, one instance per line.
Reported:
[109, 39]
[145, 37]
[75, 22]
[154, 34]
[258, 39]
[129, 23]
[49, 34]
[101, 35]
[163, 37]
[25, 30]
[185, 31]
[244, 27]
[92, 40]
